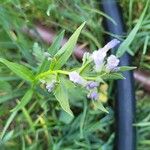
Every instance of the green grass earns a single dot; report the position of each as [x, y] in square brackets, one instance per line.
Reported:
[42, 124]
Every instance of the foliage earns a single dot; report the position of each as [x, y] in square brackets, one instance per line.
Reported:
[30, 117]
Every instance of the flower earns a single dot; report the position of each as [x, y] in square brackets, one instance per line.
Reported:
[92, 84]
[76, 78]
[111, 45]
[99, 56]
[93, 95]
[86, 56]
[112, 63]
[50, 86]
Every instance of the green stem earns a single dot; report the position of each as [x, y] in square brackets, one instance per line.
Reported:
[51, 72]
[84, 67]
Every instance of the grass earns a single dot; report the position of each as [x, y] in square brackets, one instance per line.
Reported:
[42, 124]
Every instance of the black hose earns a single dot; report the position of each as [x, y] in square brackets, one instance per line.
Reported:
[125, 104]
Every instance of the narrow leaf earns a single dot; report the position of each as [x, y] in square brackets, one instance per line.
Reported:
[99, 105]
[126, 68]
[61, 95]
[56, 44]
[113, 76]
[52, 50]
[65, 52]
[19, 70]
[10, 119]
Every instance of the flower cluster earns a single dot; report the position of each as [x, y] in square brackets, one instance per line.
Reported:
[98, 57]
[100, 62]
[91, 86]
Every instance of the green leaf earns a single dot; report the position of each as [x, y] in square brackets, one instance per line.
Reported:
[142, 124]
[26, 98]
[52, 50]
[126, 68]
[18, 69]
[10, 119]
[61, 95]
[65, 52]
[124, 45]
[99, 105]
[65, 117]
[112, 76]
[56, 44]
[11, 95]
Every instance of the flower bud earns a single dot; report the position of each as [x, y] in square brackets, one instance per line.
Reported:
[76, 78]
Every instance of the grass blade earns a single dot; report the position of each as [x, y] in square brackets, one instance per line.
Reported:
[26, 98]
[124, 46]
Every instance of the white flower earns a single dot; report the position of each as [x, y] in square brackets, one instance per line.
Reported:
[86, 57]
[76, 78]
[50, 86]
[112, 62]
[110, 45]
[99, 56]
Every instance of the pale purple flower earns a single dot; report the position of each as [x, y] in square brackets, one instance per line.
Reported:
[92, 85]
[112, 63]
[76, 78]
[50, 86]
[93, 95]
[99, 56]
[111, 45]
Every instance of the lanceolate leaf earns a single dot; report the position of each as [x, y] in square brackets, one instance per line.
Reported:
[64, 53]
[61, 95]
[113, 76]
[56, 44]
[126, 68]
[99, 105]
[18, 69]
[52, 50]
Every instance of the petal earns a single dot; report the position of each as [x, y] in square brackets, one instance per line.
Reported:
[111, 45]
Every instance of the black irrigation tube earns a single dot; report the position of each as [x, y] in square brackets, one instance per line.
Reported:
[125, 103]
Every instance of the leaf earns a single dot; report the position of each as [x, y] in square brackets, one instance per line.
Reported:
[56, 44]
[18, 69]
[10, 119]
[113, 76]
[52, 50]
[5, 88]
[65, 52]
[61, 95]
[126, 68]
[142, 124]
[7, 137]
[11, 95]
[98, 104]
[26, 98]
[65, 117]
[124, 45]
